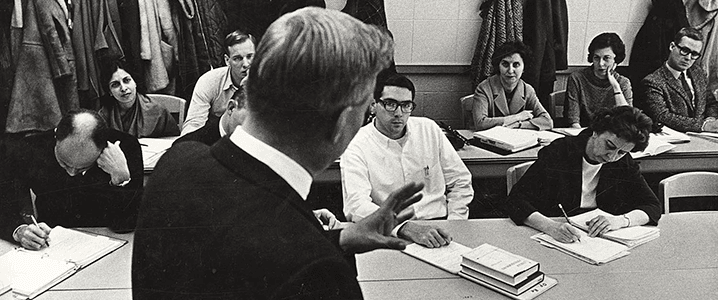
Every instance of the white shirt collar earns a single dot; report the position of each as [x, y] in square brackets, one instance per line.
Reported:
[675, 72]
[222, 133]
[293, 173]
[228, 84]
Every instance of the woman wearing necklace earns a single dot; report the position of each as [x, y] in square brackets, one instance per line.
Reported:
[127, 110]
[504, 99]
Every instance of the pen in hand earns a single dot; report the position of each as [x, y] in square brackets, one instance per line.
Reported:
[566, 216]
[38, 226]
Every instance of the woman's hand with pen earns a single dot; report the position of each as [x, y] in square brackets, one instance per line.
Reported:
[33, 237]
[564, 232]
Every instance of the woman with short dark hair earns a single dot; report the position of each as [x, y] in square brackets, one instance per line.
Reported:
[504, 99]
[586, 172]
[598, 86]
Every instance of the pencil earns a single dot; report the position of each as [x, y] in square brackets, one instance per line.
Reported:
[38, 226]
[566, 216]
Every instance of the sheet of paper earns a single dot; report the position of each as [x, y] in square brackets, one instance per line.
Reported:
[596, 249]
[75, 246]
[447, 257]
[31, 273]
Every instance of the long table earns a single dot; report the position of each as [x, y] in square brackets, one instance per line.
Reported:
[700, 154]
[681, 264]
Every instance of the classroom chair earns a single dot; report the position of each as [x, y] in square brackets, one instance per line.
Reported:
[689, 184]
[467, 115]
[174, 104]
[556, 106]
[513, 174]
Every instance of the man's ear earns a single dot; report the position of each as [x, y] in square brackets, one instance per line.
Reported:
[346, 117]
[226, 59]
[231, 105]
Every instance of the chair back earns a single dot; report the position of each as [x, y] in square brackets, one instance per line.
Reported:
[513, 174]
[174, 104]
[689, 184]
[467, 115]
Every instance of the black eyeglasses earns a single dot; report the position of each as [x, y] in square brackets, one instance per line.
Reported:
[685, 51]
[391, 105]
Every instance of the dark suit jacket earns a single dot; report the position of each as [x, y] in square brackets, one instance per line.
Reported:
[669, 104]
[81, 201]
[208, 134]
[218, 224]
[556, 178]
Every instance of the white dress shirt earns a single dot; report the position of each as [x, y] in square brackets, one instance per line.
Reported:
[373, 166]
[210, 96]
[589, 182]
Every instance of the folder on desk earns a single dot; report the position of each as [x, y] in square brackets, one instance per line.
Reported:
[32, 272]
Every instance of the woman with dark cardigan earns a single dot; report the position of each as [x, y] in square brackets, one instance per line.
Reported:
[127, 110]
[585, 172]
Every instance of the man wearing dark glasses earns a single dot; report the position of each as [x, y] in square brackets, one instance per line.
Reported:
[677, 93]
[396, 149]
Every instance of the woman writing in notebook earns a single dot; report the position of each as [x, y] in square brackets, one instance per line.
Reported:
[586, 172]
[504, 99]
[127, 110]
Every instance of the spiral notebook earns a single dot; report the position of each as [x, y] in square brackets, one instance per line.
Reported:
[30, 273]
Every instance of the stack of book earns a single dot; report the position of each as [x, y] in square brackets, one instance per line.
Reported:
[507, 273]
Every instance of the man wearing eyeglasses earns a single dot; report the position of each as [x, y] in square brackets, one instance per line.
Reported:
[396, 149]
[677, 93]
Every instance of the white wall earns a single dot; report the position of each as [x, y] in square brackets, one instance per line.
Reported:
[444, 32]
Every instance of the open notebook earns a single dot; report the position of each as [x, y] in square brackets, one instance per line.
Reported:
[32, 272]
[630, 236]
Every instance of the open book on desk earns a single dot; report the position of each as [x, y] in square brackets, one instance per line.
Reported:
[629, 236]
[33, 272]
[655, 147]
[513, 140]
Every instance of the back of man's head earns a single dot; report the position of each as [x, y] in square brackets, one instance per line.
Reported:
[309, 66]
[82, 124]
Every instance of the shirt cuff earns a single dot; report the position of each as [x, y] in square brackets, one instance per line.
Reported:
[395, 231]
[14, 237]
[706, 122]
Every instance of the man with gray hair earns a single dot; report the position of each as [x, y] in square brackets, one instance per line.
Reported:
[230, 221]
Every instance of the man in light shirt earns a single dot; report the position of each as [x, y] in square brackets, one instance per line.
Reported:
[677, 93]
[214, 88]
[397, 149]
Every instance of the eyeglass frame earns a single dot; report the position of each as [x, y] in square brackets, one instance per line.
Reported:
[398, 104]
[685, 51]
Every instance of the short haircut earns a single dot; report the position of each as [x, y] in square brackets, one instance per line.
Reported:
[606, 40]
[389, 78]
[96, 132]
[312, 64]
[508, 49]
[236, 37]
[688, 32]
[626, 122]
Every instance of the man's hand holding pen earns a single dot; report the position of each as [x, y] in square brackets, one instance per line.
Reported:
[33, 236]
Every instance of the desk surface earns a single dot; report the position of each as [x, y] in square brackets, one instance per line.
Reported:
[681, 263]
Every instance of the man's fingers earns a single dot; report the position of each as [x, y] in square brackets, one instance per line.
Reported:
[394, 243]
[405, 194]
[404, 215]
[444, 235]
[438, 238]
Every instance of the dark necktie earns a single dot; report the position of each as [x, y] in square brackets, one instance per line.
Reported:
[687, 88]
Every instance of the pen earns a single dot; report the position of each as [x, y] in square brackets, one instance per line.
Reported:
[38, 226]
[566, 216]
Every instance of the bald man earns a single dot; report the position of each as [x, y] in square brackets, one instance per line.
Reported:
[83, 175]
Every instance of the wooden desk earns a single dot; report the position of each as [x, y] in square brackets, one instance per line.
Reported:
[697, 155]
[107, 278]
[681, 264]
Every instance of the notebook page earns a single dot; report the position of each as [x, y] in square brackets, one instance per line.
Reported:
[31, 273]
[597, 249]
[627, 234]
[76, 246]
[447, 258]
